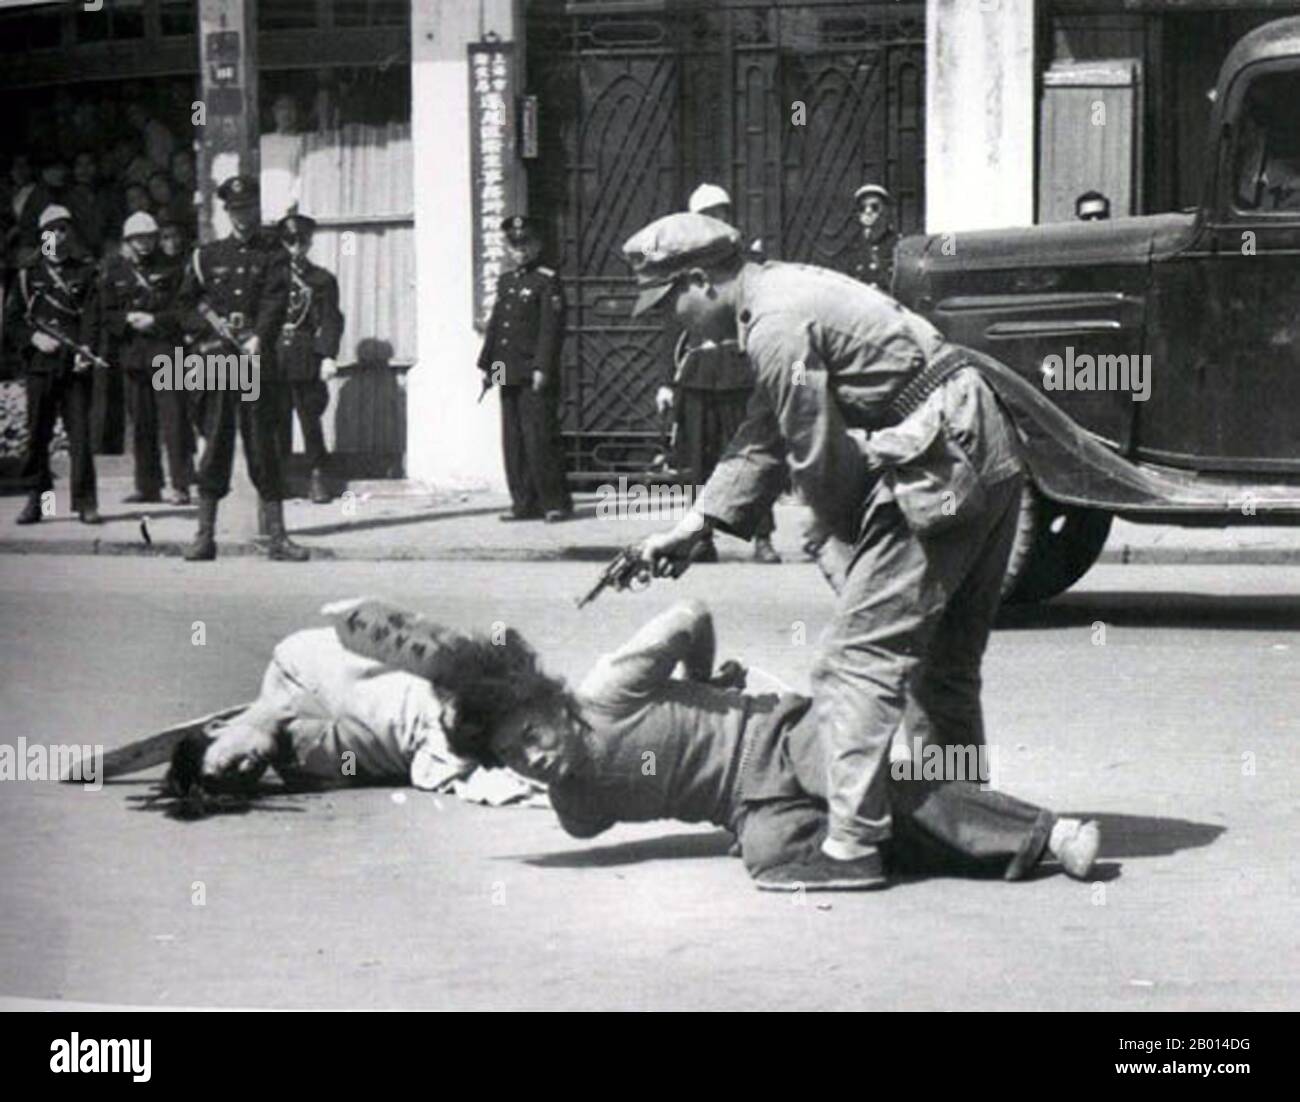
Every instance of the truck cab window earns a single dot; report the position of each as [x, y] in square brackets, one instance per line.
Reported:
[1266, 160]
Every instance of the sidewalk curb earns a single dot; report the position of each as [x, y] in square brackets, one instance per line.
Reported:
[1124, 555]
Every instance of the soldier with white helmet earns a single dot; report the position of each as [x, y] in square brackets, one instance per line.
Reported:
[875, 212]
[141, 321]
[53, 313]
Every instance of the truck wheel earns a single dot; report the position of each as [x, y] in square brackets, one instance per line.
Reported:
[1054, 547]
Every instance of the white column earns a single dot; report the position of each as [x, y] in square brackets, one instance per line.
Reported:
[980, 109]
[450, 441]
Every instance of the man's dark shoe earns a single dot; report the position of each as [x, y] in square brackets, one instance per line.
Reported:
[135, 497]
[319, 492]
[279, 547]
[512, 516]
[820, 873]
[177, 497]
[31, 513]
[555, 516]
[204, 547]
[764, 552]
[91, 516]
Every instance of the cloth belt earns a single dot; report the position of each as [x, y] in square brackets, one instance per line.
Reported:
[939, 370]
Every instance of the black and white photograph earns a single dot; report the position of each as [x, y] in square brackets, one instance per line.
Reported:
[652, 506]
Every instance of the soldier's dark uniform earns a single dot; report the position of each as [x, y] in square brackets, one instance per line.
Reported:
[244, 281]
[711, 390]
[524, 335]
[312, 330]
[875, 263]
[149, 284]
[61, 293]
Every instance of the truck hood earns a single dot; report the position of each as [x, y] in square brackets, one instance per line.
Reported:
[1119, 241]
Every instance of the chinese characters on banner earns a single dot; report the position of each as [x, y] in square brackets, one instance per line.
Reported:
[496, 180]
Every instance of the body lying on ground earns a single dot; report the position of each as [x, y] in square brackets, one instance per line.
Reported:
[652, 732]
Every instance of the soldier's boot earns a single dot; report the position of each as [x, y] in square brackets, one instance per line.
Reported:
[204, 547]
[31, 513]
[279, 546]
[320, 494]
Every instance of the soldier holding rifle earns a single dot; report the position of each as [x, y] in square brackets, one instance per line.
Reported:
[236, 290]
[53, 313]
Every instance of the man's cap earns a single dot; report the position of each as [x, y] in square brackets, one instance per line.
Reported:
[707, 196]
[670, 246]
[239, 191]
[519, 228]
[872, 189]
[294, 227]
[141, 222]
[54, 213]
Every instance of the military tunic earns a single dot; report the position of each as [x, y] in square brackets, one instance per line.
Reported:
[875, 263]
[312, 330]
[151, 286]
[524, 334]
[64, 296]
[245, 281]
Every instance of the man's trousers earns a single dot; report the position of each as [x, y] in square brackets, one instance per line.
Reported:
[534, 456]
[910, 630]
[50, 395]
[257, 423]
[706, 422]
[951, 827]
[309, 399]
[156, 413]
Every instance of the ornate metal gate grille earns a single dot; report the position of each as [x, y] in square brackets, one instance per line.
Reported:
[639, 106]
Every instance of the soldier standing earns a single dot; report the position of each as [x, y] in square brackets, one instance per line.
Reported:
[875, 264]
[235, 290]
[139, 312]
[309, 343]
[521, 355]
[52, 310]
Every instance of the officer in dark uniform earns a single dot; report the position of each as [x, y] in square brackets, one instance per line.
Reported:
[521, 355]
[139, 316]
[309, 343]
[55, 302]
[875, 263]
[235, 291]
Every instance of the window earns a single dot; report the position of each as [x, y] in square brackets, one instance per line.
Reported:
[177, 17]
[123, 19]
[287, 15]
[1266, 154]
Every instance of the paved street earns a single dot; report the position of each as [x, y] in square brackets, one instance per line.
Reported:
[1175, 721]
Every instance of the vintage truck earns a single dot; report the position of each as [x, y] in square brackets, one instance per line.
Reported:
[1211, 296]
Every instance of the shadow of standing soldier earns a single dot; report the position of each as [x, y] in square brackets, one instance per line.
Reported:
[370, 415]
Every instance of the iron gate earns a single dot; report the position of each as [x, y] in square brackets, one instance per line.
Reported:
[638, 106]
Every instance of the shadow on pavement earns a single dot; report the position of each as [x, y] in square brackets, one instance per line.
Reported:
[1166, 610]
[1148, 836]
[668, 847]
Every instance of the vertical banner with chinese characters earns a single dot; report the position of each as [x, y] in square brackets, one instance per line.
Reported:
[497, 180]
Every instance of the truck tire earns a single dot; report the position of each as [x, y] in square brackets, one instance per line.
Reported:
[1055, 545]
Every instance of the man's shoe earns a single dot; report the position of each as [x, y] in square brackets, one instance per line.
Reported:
[204, 547]
[279, 547]
[513, 516]
[91, 516]
[177, 497]
[1075, 845]
[820, 873]
[556, 516]
[318, 493]
[764, 552]
[136, 497]
[31, 513]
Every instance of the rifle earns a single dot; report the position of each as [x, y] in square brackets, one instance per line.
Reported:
[71, 345]
[628, 570]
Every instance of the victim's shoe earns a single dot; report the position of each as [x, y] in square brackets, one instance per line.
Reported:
[1075, 844]
[820, 873]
